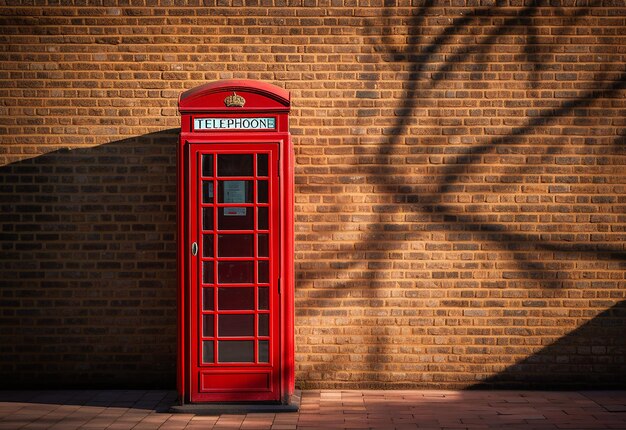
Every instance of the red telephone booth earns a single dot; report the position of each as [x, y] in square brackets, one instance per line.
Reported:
[235, 216]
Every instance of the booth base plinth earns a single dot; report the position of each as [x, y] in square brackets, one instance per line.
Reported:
[239, 408]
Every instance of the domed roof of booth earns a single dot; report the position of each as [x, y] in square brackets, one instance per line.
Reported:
[232, 95]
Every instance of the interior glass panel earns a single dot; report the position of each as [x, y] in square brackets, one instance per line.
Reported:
[264, 272]
[234, 165]
[235, 218]
[207, 272]
[235, 351]
[236, 188]
[235, 191]
[235, 272]
[208, 299]
[207, 218]
[264, 245]
[207, 351]
[263, 218]
[207, 165]
[207, 245]
[207, 191]
[261, 164]
[207, 325]
[235, 298]
[264, 351]
[264, 325]
[235, 325]
[235, 245]
[263, 192]
[264, 298]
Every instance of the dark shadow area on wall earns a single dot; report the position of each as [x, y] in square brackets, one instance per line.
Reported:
[88, 267]
[593, 355]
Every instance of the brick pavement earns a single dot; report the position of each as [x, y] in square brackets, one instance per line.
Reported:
[326, 409]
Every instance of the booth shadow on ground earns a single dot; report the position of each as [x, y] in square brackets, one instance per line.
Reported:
[88, 266]
[147, 400]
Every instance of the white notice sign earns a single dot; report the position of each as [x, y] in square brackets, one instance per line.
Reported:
[259, 123]
[234, 191]
[235, 211]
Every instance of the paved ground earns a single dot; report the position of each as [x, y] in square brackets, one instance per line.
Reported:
[147, 410]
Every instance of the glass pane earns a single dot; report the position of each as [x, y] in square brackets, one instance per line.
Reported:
[264, 245]
[235, 325]
[261, 165]
[235, 351]
[207, 299]
[264, 351]
[264, 272]
[264, 325]
[207, 325]
[235, 191]
[263, 218]
[207, 245]
[234, 165]
[207, 165]
[235, 272]
[207, 272]
[235, 298]
[235, 218]
[235, 245]
[207, 191]
[207, 218]
[264, 298]
[262, 188]
[207, 351]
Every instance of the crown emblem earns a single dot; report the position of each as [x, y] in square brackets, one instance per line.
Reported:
[234, 100]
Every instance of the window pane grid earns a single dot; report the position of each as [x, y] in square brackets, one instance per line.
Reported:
[212, 172]
[231, 312]
[235, 259]
[257, 350]
[260, 337]
[238, 231]
[247, 204]
[236, 205]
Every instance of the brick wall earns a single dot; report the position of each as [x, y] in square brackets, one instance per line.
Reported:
[460, 178]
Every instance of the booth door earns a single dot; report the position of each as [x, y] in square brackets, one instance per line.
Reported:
[234, 299]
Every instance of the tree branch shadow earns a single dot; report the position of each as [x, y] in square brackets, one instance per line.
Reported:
[412, 199]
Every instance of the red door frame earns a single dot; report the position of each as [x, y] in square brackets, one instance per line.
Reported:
[237, 378]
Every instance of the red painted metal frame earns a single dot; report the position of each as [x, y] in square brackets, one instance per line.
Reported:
[261, 100]
[197, 368]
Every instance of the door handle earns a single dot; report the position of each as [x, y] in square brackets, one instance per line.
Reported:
[194, 249]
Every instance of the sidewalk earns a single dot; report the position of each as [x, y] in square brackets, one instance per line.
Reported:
[326, 409]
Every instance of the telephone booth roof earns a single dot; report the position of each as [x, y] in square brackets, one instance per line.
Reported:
[259, 96]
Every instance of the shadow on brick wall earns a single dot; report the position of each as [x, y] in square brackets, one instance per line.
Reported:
[88, 266]
[593, 355]
[539, 262]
